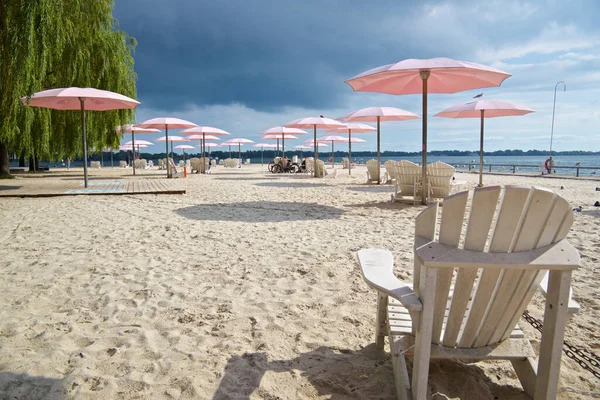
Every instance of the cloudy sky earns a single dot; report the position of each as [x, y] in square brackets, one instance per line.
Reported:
[245, 66]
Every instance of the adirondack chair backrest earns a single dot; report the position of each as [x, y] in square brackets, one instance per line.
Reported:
[408, 175]
[320, 167]
[390, 167]
[346, 162]
[439, 176]
[373, 169]
[486, 303]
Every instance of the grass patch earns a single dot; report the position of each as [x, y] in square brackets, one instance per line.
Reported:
[7, 176]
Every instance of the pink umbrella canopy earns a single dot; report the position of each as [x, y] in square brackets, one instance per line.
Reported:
[131, 143]
[239, 142]
[336, 138]
[264, 146]
[200, 137]
[435, 75]
[282, 132]
[314, 122]
[75, 98]
[201, 133]
[355, 127]
[378, 114]
[130, 147]
[172, 138]
[183, 146]
[166, 123]
[483, 109]
[133, 130]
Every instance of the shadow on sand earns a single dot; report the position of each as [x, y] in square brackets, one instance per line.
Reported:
[371, 189]
[256, 211]
[8, 187]
[342, 374]
[25, 386]
[292, 184]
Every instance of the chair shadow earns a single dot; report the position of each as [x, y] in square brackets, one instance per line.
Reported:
[384, 205]
[25, 386]
[365, 373]
[592, 213]
[246, 179]
[8, 187]
[291, 184]
[257, 211]
[372, 188]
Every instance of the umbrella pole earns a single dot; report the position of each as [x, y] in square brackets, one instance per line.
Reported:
[183, 155]
[277, 145]
[111, 158]
[424, 76]
[229, 151]
[378, 150]
[240, 154]
[315, 146]
[102, 158]
[85, 172]
[133, 148]
[282, 144]
[481, 152]
[262, 157]
[349, 151]
[203, 160]
[332, 156]
[167, 151]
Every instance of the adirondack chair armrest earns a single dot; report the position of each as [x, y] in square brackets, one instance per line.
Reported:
[560, 255]
[572, 308]
[377, 268]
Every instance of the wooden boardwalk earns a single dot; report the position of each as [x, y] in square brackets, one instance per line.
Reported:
[45, 187]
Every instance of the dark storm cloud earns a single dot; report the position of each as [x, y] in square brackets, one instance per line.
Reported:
[264, 54]
[267, 54]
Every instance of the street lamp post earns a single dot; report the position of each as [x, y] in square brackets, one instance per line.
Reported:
[553, 108]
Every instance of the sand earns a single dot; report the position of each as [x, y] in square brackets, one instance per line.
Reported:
[245, 287]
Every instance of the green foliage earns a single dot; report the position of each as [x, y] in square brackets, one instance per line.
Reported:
[47, 44]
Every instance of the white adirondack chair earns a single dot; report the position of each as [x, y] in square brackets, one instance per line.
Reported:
[390, 169]
[373, 171]
[465, 302]
[439, 177]
[345, 163]
[409, 178]
[319, 165]
[196, 164]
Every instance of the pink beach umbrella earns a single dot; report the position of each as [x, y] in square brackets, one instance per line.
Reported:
[75, 98]
[210, 146]
[203, 145]
[166, 123]
[352, 127]
[204, 131]
[171, 139]
[134, 129]
[378, 114]
[302, 147]
[483, 109]
[435, 75]
[285, 133]
[182, 147]
[263, 146]
[333, 139]
[239, 142]
[314, 122]
[278, 136]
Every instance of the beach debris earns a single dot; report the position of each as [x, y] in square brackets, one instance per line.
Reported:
[597, 189]
[562, 187]
[597, 204]
[578, 209]
[112, 351]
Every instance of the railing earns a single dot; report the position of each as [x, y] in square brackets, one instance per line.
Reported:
[514, 167]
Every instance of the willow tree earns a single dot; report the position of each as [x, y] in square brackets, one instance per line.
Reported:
[47, 44]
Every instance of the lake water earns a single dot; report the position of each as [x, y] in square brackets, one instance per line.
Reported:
[526, 163]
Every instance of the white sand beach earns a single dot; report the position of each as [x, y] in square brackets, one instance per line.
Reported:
[245, 287]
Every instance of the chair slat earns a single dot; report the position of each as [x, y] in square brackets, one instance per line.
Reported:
[513, 305]
[444, 279]
[559, 220]
[483, 207]
[462, 293]
[534, 218]
[506, 288]
[453, 214]
[485, 289]
[508, 219]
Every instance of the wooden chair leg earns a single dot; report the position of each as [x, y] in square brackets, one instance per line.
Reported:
[381, 320]
[422, 350]
[555, 318]
[526, 370]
